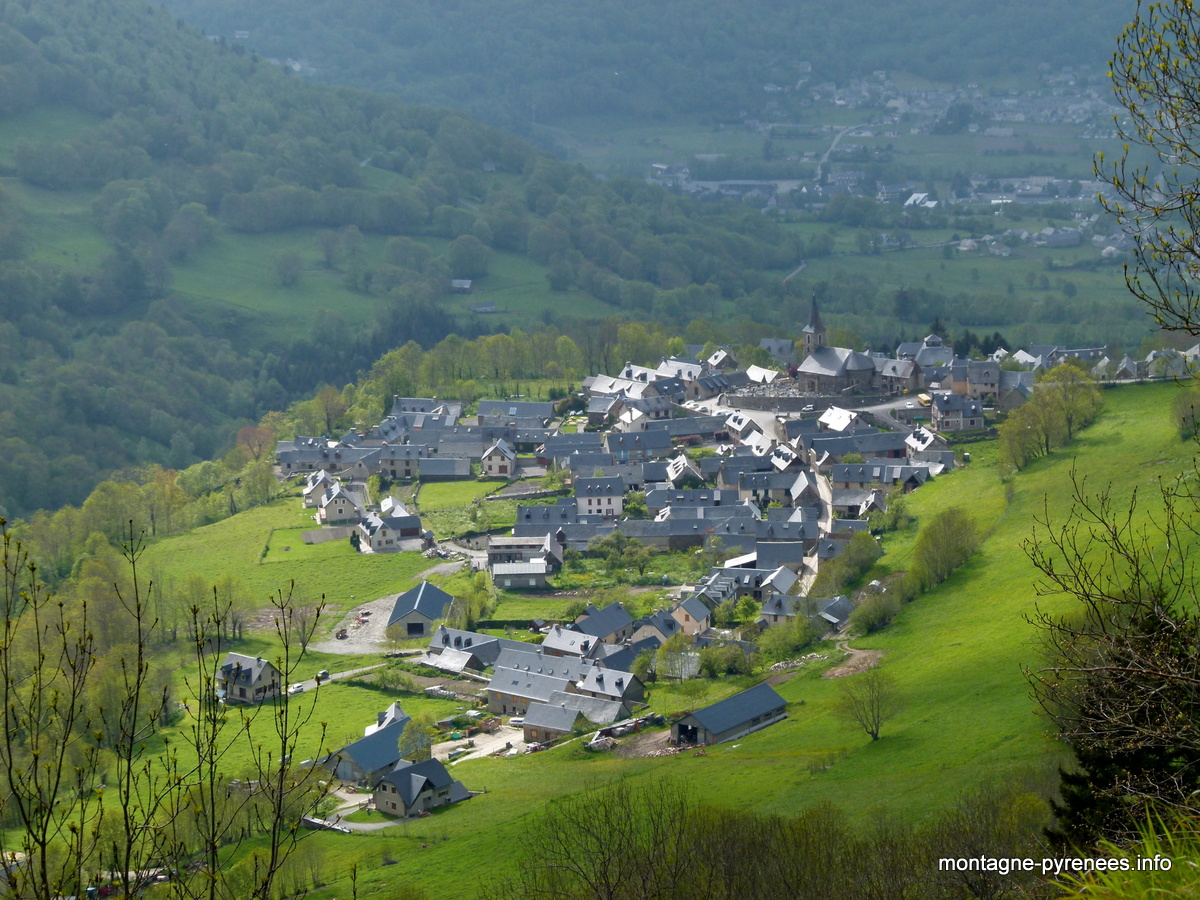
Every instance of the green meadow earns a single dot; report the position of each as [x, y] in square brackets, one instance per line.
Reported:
[251, 545]
[451, 494]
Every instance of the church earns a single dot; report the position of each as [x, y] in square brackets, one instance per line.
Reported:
[831, 370]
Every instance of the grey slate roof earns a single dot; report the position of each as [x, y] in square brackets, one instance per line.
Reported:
[835, 362]
[516, 410]
[652, 440]
[739, 709]
[529, 685]
[241, 669]
[535, 661]
[551, 716]
[427, 599]
[602, 622]
[596, 710]
[607, 682]
[375, 751]
[485, 647]
[409, 778]
[568, 640]
[599, 487]
[694, 607]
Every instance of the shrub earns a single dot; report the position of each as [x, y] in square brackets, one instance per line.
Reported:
[876, 612]
[943, 545]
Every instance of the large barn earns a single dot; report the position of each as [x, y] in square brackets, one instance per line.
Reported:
[732, 718]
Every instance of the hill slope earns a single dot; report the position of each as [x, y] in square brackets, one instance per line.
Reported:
[522, 62]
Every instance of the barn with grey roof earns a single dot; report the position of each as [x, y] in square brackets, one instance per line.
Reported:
[732, 718]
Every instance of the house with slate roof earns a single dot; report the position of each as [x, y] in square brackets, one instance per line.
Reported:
[533, 658]
[338, 505]
[451, 409]
[604, 496]
[541, 410]
[692, 615]
[660, 626]
[649, 444]
[779, 609]
[596, 710]
[611, 684]
[416, 610]
[956, 412]
[781, 349]
[247, 679]
[374, 754]
[499, 461]
[545, 722]
[568, 641]
[612, 624]
[732, 718]
[511, 691]
[484, 646]
[557, 447]
[388, 530]
[315, 485]
[538, 548]
[897, 376]
[413, 788]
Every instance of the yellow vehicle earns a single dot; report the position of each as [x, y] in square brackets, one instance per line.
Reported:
[924, 399]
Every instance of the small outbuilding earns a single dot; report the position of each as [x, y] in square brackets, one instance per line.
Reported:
[416, 610]
[732, 718]
[545, 722]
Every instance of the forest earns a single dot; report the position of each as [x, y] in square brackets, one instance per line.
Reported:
[522, 63]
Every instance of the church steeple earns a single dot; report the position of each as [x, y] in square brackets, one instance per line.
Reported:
[814, 331]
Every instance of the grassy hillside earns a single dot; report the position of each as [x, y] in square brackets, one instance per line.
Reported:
[956, 653]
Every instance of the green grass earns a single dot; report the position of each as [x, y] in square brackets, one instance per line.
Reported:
[235, 281]
[48, 123]
[286, 544]
[454, 494]
[518, 287]
[452, 522]
[61, 228]
[606, 144]
[236, 545]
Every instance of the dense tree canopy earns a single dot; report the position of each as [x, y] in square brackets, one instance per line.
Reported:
[520, 63]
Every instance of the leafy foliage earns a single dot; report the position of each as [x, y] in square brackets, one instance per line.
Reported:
[944, 544]
[524, 64]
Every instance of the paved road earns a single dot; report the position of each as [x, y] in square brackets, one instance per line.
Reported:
[311, 684]
[883, 413]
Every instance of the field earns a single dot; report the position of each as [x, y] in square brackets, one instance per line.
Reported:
[957, 654]
[450, 494]
[250, 546]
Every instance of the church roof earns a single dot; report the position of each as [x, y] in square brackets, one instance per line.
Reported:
[835, 361]
[814, 325]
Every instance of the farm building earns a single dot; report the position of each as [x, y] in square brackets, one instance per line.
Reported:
[732, 718]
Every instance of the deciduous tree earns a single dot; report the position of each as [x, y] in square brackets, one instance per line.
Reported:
[868, 701]
[1154, 72]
